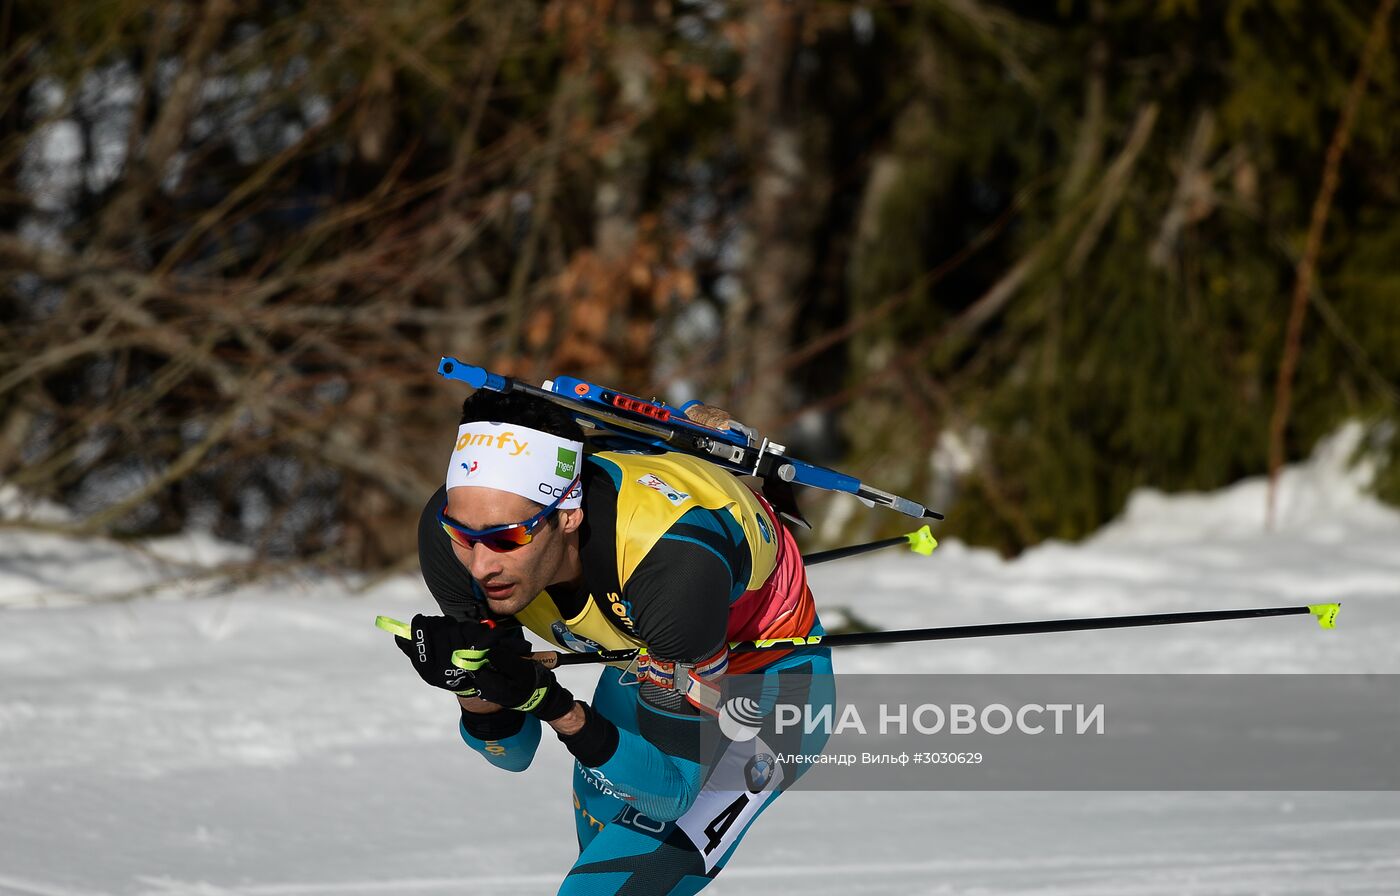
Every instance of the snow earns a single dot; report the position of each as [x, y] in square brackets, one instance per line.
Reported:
[163, 734]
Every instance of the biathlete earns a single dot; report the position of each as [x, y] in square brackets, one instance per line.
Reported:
[613, 551]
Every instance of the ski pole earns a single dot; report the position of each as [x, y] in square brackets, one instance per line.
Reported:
[920, 542]
[1326, 618]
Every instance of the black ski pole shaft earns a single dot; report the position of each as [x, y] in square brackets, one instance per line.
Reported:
[1326, 616]
[920, 541]
[854, 550]
[992, 630]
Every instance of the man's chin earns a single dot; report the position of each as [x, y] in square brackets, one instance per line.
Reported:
[509, 605]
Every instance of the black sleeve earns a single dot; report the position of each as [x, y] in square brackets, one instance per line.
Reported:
[680, 603]
[446, 578]
[680, 600]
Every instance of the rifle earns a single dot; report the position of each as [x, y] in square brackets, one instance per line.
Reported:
[626, 421]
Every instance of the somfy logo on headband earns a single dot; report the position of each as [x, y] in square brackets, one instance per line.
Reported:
[503, 442]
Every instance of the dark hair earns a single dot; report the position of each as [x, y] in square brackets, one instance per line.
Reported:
[522, 410]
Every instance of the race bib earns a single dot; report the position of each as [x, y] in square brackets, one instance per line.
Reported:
[739, 786]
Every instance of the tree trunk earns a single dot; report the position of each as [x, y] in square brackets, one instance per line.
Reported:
[788, 193]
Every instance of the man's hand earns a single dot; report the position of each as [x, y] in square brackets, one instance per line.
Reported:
[431, 645]
[503, 674]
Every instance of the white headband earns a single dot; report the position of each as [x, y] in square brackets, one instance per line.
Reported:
[517, 459]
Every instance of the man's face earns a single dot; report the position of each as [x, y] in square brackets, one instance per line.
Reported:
[512, 579]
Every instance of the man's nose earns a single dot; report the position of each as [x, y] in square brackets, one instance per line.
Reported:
[483, 563]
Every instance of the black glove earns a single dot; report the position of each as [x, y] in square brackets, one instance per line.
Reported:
[430, 649]
[504, 674]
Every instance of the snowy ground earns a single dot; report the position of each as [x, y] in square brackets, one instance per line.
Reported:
[271, 742]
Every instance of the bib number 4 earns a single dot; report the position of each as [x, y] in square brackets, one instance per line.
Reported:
[740, 785]
[716, 829]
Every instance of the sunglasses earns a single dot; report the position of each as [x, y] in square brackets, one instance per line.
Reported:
[500, 539]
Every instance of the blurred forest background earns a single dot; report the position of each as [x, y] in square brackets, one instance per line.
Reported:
[1012, 258]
